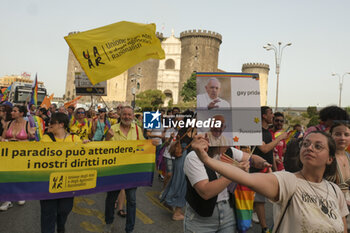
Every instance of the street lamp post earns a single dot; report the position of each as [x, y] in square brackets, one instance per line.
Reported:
[278, 59]
[136, 85]
[341, 81]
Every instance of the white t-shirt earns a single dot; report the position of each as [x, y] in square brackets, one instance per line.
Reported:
[195, 171]
[167, 135]
[304, 213]
[203, 100]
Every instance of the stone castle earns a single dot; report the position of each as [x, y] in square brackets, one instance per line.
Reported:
[195, 50]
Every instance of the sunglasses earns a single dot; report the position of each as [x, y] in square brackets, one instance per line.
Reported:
[80, 112]
[278, 120]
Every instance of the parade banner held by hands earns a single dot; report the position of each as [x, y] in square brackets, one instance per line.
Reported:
[49, 170]
[108, 51]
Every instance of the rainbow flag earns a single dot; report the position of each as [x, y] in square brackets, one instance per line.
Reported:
[39, 124]
[34, 95]
[5, 93]
[291, 134]
[244, 199]
[107, 126]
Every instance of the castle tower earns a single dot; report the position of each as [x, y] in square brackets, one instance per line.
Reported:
[199, 52]
[263, 71]
[144, 73]
[169, 69]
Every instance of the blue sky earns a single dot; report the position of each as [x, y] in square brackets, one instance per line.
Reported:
[32, 31]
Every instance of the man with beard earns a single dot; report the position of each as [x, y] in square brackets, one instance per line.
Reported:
[125, 130]
[266, 152]
[280, 148]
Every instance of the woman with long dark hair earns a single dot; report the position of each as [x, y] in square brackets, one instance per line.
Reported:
[174, 194]
[340, 132]
[18, 129]
[306, 201]
[5, 116]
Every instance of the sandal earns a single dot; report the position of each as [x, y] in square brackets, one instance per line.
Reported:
[121, 213]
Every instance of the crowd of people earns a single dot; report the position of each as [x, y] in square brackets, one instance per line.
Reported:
[306, 175]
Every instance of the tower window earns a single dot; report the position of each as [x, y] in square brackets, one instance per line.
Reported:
[170, 64]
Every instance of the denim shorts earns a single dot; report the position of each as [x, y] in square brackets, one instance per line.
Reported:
[222, 220]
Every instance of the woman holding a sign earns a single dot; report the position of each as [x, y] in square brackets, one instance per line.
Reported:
[306, 201]
[57, 210]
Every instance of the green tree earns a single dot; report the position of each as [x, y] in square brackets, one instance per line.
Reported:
[170, 103]
[312, 111]
[189, 90]
[313, 121]
[347, 109]
[150, 100]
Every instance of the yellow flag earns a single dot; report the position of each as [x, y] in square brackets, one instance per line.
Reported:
[108, 51]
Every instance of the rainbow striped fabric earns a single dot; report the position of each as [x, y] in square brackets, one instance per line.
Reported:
[237, 75]
[107, 126]
[39, 124]
[244, 199]
[21, 180]
[5, 93]
[34, 95]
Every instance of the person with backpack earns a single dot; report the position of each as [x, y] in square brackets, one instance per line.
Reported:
[306, 201]
[55, 211]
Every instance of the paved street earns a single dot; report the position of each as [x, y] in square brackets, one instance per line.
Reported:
[88, 215]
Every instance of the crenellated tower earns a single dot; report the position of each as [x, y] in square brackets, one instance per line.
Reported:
[145, 73]
[263, 71]
[199, 52]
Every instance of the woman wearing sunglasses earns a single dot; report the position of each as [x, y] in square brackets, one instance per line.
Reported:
[80, 125]
[306, 201]
[56, 211]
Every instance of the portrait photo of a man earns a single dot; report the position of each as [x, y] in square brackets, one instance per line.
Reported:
[214, 95]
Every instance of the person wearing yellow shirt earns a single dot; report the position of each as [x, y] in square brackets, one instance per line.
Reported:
[80, 125]
[56, 211]
[125, 130]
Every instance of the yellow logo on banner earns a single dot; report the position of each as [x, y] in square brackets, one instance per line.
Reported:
[108, 51]
[72, 181]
